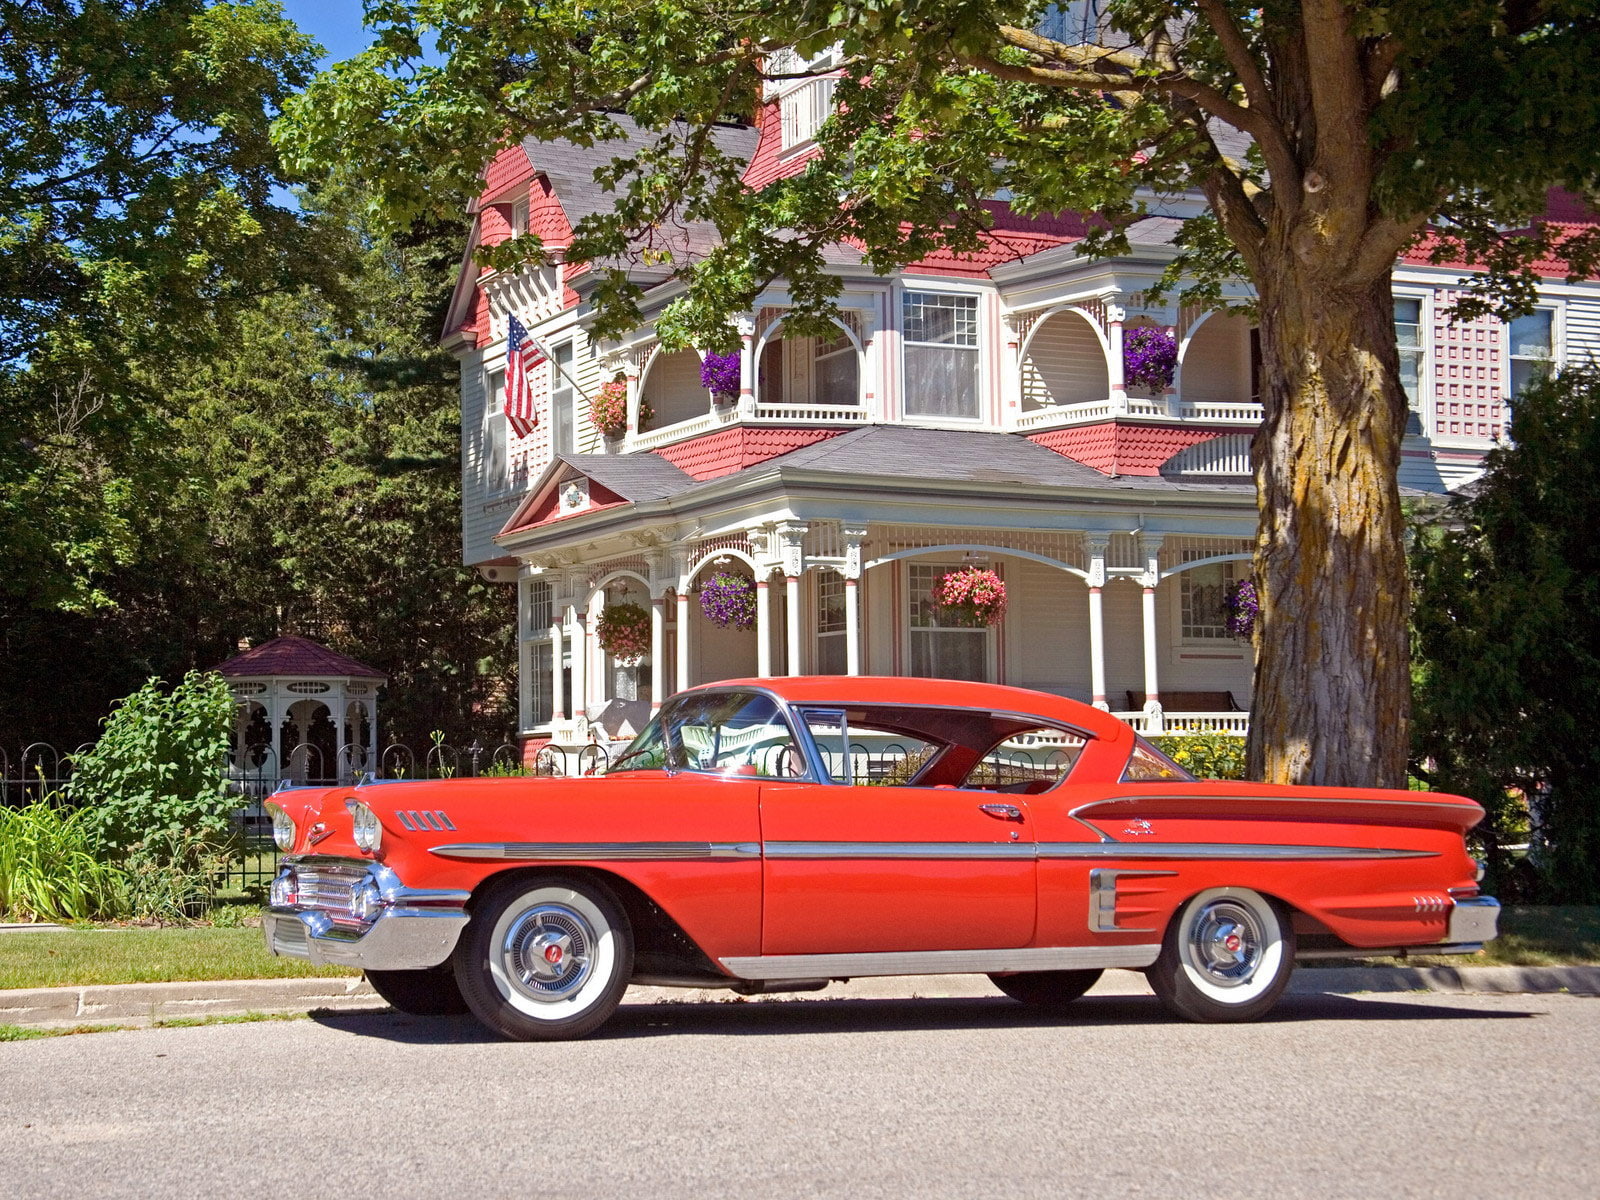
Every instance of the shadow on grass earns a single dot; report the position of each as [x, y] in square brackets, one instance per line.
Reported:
[770, 1018]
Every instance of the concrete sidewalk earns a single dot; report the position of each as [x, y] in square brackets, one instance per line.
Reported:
[141, 1004]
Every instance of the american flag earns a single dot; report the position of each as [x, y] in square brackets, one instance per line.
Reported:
[523, 357]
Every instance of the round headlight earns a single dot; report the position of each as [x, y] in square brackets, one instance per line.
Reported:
[364, 828]
[282, 828]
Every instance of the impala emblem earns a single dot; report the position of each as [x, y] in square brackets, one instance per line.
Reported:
[1139, 827]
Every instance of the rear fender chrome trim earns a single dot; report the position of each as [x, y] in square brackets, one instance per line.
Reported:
[600, 851]
[940, 962]
[1075, 850]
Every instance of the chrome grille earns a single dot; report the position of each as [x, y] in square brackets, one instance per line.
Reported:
[289, 937]
[327, 887]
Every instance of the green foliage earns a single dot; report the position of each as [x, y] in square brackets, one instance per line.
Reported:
[51, 865]
[154, 782]
[1205, 755]
[1506, 645]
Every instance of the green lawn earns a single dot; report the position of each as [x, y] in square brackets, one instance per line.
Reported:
[111, 955]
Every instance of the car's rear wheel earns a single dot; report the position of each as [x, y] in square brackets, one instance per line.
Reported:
[545, 958]
[1227, 956]
[430, 993]
[1046, 989]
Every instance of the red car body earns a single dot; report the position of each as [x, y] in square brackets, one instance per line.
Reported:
[762, 851]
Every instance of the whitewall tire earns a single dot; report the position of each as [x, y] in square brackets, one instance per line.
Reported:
[546, 958]
[1227, 956]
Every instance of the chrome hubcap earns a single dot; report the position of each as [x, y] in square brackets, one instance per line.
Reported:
[547, 951]
[1226, 943]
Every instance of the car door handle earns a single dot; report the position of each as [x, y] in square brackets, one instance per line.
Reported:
[1002, 812]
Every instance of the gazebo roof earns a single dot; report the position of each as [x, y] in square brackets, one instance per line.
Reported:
[295, 656]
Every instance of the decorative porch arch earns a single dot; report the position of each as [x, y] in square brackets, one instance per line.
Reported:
[1242, 556]
[1032, 556]
[766, 337]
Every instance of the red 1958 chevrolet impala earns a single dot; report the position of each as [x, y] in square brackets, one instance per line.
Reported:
[775, 834]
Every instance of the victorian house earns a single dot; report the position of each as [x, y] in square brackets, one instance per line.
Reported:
[965, 411]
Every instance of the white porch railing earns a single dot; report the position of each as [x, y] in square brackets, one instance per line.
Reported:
[706, 422]
[810, 414]
[1236, 724]
[1139, 409]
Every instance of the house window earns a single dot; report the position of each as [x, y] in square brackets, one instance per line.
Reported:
[541, 608]
[804, 109]
[831, 597]
[495, 457]
[1532, 348]
[1408, 340]
[1203, 591]
[942, 647]
[540, 708]
[561, 399]
[941, 355]
[519, 217]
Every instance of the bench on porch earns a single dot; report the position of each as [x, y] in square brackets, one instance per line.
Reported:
[1188, 702]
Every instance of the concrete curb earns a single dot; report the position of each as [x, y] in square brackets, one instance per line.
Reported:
[144, 1003]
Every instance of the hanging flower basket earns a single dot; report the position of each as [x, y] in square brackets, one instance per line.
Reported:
[624, 632]
[720, 375]
[609, 409]
[1241, 607]
[729, 599]
[975, 595]
[1149, 357]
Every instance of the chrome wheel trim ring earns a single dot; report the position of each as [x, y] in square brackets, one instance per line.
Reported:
[526, 929]
[1255, 965]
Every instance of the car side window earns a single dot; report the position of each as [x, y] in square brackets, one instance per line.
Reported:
[1028, 762]
[724, 733]
[858, 752]
[1148, 765]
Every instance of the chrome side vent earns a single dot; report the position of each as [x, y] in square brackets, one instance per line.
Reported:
[435, 819]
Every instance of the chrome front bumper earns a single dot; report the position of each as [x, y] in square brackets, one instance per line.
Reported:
[411, 929]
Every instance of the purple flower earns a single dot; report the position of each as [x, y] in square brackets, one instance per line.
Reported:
[1242, 607]
[720, 374]
[1149, 357]
[728, 599]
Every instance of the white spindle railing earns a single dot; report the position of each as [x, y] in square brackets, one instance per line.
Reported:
[707, 422]
[811, 414]
[1244, 413]
[1236, 724]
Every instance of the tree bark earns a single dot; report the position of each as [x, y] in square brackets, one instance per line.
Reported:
[1332, 686]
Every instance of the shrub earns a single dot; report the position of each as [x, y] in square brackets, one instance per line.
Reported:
[1205, 755]
[158, 770]
[51, 867]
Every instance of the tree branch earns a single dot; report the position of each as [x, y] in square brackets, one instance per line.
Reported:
[1338, 98]
[1274, 143]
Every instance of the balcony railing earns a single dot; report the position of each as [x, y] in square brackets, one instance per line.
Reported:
[1236, 724]
[760, 414]
[1139, 408]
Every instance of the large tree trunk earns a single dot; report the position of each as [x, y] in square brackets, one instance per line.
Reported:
[1332, 688]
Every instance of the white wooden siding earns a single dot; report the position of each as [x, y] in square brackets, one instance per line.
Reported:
[1046, 629]
[1216, 367]
[673, 389]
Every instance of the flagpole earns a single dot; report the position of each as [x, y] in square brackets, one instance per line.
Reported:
[551, 359]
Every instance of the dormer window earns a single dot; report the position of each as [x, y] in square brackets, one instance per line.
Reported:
[519, 216]
[803, 103]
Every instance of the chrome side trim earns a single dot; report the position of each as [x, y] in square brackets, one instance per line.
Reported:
[1103, 899]
[1268, 799]
[940, 962]
[599, 851]
[1219, 850]
[899, 850]
[1075, 850]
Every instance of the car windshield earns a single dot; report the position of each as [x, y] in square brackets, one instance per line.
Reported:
[731, 733]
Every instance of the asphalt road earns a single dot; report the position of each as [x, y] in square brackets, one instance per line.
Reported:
[1392, 1095]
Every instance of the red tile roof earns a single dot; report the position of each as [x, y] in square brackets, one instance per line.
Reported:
[295, 656]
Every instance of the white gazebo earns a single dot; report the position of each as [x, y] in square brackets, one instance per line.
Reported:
[305, 713]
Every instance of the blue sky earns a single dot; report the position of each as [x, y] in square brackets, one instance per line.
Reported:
[334, 23]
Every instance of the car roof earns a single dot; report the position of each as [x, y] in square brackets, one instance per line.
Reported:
[934, 693]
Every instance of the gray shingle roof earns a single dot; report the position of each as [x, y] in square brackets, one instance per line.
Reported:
[637, 477]
[1005, 460]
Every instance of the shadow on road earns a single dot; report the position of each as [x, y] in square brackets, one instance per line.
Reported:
[740, 1018]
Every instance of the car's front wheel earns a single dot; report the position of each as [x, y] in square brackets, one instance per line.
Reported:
[545, 959]
[1227, 956]
[430, 993]
[1046, 989]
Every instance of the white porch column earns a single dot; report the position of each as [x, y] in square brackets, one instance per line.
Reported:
[746, 326]
[1150, 546]
[1115, 315]
[338, 706]
[682, 680]
[853, 536]
[580, 662]
[852, 627]
[763, 629]
[791, 598]
[558, 672]
[1097, 544]
[371, 707]
[658, 651]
